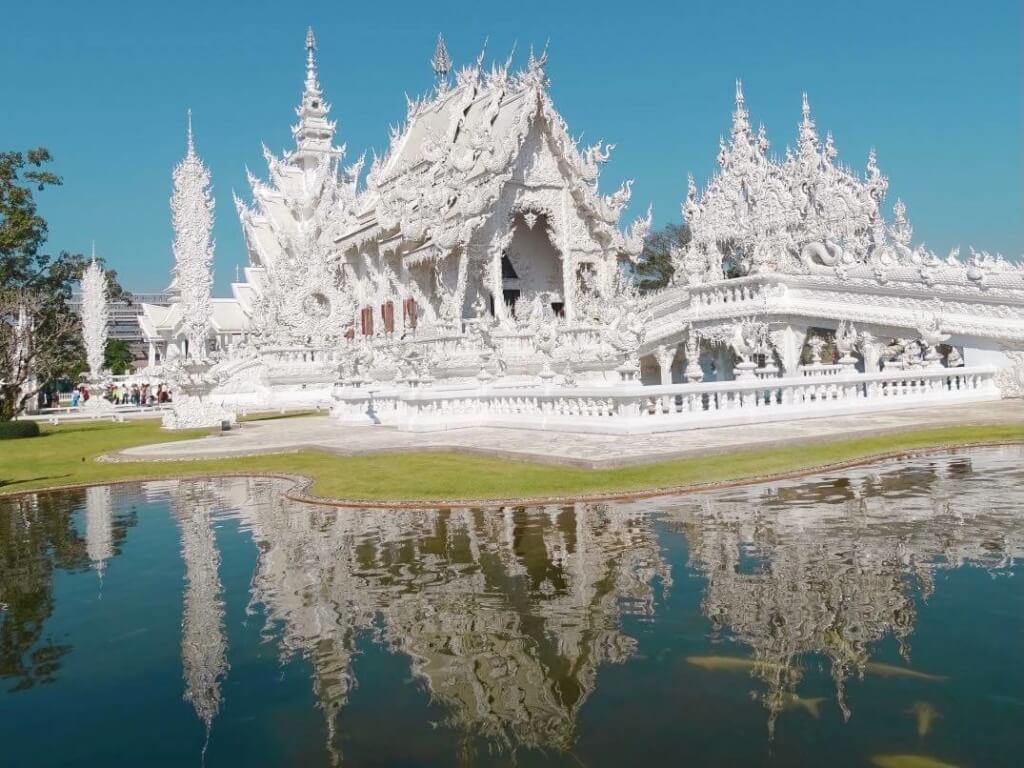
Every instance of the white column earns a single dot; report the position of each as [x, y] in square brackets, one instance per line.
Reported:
[568, 263]
[152, 354]
[723, 363]
[665, 355]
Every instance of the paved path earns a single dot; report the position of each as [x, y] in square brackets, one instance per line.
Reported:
[595, 451]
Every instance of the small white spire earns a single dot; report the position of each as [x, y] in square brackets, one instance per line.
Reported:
[191, 144]
[310, 58]
[441, 62]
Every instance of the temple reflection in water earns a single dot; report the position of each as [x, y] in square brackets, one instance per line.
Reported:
[507, 615]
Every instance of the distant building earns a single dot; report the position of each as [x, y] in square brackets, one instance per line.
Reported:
[124, 323]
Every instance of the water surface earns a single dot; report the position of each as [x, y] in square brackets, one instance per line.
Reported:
[823, 621]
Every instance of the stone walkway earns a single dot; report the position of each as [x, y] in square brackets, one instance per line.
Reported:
[585, 450]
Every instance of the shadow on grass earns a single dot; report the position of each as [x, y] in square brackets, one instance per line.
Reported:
[276, 416]
[12, 483]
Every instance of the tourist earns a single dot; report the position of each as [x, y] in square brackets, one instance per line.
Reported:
[75, 397]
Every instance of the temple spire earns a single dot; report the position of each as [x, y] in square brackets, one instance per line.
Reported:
[807, 138]
[441, 62]
[192, 221]
[191, 143]
[314, 132]
[740, 118]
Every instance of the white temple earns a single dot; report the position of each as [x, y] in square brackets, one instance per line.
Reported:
[477, 275]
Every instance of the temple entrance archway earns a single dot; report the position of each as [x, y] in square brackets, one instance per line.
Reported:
[531, 265]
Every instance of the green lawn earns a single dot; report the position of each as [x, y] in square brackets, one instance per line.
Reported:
[65, 455]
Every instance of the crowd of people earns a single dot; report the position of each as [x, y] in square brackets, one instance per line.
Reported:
[125, 394]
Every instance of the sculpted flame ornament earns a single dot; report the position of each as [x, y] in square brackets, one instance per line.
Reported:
[192, 219]
[95, 316]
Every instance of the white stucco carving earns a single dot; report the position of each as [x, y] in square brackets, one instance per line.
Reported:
[480, 251]
[94, 316]
[192, 219]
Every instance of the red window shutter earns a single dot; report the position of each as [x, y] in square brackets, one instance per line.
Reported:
[409, 312]
[367, 321]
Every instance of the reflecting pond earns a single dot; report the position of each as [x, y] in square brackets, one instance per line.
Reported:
[854, 618]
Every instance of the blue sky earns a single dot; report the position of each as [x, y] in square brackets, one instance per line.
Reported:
[935, 86]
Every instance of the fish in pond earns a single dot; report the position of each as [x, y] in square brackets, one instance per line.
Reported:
[926, 714]
[731, 663]
[891, 670]
[909, 761]
[811, 706]
[796, 701]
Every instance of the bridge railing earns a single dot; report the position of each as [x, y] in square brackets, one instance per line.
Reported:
[638, 409]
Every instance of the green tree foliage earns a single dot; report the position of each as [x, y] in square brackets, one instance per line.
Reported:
[37, 541]
[118, 357]
[654, 268]
[40, 338]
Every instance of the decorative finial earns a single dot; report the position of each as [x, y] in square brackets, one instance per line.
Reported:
[806, 109]
[310, 54]
[191, 144]
[312, 86]
[483, 52]
[739, 94]
[93, 251]
[441, 61]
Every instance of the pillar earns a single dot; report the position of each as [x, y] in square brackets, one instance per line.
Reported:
[665, 355]
[152, 355]
[723, 363]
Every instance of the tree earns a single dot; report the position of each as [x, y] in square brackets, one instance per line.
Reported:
[118, 357]
[654, 268]
[39, 335]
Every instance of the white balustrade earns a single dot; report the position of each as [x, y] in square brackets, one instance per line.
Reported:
[822, 369]
[635, 409]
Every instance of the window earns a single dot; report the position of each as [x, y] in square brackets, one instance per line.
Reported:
[366, 320]
[387, 316]
[409, 313]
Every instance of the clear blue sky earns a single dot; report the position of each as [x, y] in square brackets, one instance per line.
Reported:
[935, 86]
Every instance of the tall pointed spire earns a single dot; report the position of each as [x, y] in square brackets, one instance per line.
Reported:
[314, 132]
[95, 315]
[441, 62]
[311, 83]
[740, 118]
[807, 138]
[192, 220]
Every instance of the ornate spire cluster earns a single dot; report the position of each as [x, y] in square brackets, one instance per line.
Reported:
[192, 219]
[95, 315]
[760, 214]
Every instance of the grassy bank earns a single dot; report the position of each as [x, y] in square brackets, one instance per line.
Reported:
[66, 455]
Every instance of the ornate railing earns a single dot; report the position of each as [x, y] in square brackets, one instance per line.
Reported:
[640, 409]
